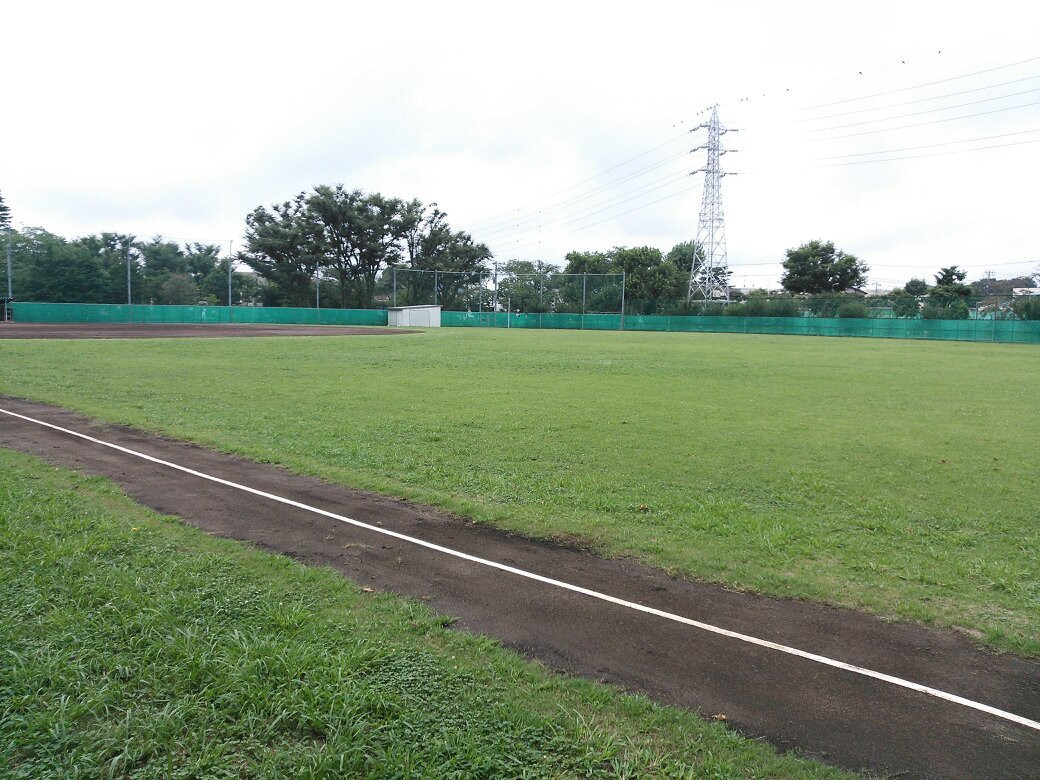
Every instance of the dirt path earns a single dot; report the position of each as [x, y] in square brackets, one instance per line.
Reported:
[838, 716]
[124, 330]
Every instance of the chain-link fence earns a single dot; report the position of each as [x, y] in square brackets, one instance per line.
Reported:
[541, 292]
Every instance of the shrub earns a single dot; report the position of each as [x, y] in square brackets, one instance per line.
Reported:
[953, 310]
[1027, 307]
[854, 310]
[760, 306]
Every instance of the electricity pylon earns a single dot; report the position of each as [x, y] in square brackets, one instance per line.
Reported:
[708, 278]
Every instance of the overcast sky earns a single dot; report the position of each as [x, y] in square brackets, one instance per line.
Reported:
[518, 120]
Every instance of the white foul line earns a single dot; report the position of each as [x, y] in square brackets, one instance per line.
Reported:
[820, 659]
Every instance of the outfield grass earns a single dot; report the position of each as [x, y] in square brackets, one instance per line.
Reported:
[895, 476]
[134, 646]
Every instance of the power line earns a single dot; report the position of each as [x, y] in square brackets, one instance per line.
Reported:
[931, 122]
[596, 207]
[921, 86]
[506, 225]
[932, 154]
[930, 146]
[920, 100]
[613, 216]
[590, 178]
[926, 111]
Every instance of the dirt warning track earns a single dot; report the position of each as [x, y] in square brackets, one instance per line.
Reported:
[128, 330]
[839, 715]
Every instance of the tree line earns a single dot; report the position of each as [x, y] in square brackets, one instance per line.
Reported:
[351, 249]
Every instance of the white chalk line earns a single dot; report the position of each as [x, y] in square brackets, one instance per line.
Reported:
[820, 659]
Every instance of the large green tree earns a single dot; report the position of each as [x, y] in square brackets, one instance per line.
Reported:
[649, 279]
[284, 249]
[351, 237]
[917, 287]
[948, 299]
[818, 268]
[430, 243]
[527, 286]
[590, 282]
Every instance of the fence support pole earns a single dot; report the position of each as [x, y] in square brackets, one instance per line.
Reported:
[434, 286]
[10, 293]
[129, 302]
[584, 279]
[623, 278]
[395, 287]
[230, 250]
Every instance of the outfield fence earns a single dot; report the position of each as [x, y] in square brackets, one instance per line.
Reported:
[993, 329]
[1007, 331]
[196, 315]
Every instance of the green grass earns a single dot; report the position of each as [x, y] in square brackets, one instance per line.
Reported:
[134, 646]
[900, 477]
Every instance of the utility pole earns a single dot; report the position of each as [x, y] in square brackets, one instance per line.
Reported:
[708, 279]
[624, 278]
[128, 297]
[230, 250]
[10, 288]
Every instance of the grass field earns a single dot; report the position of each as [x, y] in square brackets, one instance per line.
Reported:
[900, 477]
[134, 646]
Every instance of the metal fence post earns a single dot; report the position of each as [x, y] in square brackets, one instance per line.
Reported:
[623, 278]
[584, 280]
[10, 293]
[395, 287]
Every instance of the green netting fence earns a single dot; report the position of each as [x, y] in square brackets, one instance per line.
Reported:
[993, 329]
[195, 315]
[1009, 330]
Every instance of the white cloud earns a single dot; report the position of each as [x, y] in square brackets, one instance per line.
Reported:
[179, 119]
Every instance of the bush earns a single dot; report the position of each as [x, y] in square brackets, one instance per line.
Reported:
[1027, 307]
[761, 306]
[953, 310]
[829, 305]
[854, 310]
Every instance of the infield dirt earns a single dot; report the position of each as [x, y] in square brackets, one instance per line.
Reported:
[127, 330]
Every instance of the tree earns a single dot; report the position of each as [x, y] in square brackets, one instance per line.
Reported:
[178, 289]
[527, 286]
[917, 287]
[951, 277]
[948, 299]
[1027, 307]
[49, 268]
[585, 280]
[244, 286]
[429, 244]
[282, 247]
[648, 278]
[5, 215]
[904, 303]
[818, 268]
[685, 256]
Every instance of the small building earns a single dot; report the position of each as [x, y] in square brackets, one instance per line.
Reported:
[414, 316]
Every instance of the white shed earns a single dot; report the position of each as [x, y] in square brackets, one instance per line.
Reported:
[414, 316]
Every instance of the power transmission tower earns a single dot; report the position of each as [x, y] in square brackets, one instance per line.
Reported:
[709, 277]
